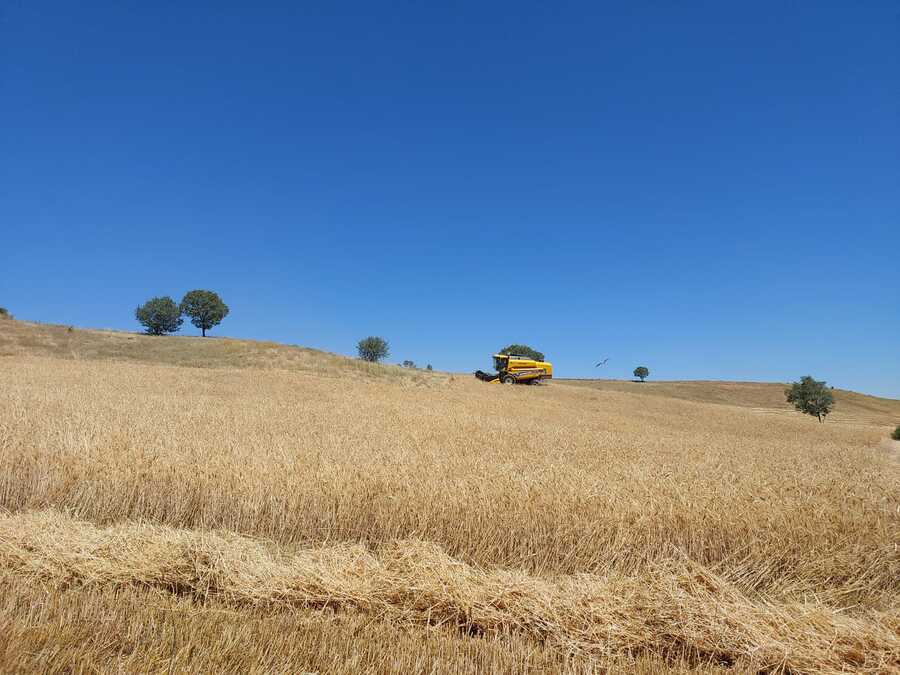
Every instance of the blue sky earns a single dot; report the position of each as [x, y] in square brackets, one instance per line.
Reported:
[709, 190]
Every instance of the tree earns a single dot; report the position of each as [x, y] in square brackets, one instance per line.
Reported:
[205, 308]
[373, 349]
[811, 397]
[428, 367]
[159, 316]
[642, 372]
[408, 364]
[4, 313]
[523, 350]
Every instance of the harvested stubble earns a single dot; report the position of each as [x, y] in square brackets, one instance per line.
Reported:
[625, 523]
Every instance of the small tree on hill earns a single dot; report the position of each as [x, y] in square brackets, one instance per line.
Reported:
[811, 397]
[523, 350]
[642, 372]
[159, 316]
[428, 367]
[4, 313]
[408, 364]
[373, 349]
[205, 308]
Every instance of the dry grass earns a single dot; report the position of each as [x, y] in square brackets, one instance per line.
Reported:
[496, 528]
[764, 397]
[22, 338]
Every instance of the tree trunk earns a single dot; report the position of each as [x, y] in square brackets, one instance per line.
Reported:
[203, 331]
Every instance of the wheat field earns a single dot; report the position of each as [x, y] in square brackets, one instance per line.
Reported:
[265, 509]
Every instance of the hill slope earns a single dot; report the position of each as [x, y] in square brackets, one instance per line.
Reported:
[263, 513]
[21, 338]
[850, 406]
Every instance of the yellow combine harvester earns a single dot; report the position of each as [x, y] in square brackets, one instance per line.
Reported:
[516, 369]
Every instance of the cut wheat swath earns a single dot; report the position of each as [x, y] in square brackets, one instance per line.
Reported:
[677, 608]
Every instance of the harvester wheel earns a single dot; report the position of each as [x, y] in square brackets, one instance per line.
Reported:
[508, 379]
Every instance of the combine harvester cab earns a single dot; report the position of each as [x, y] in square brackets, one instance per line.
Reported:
[516, 369]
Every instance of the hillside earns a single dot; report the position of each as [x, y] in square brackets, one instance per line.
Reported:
[764, 397]
[23, 338]
[279, 509]
[20, 338]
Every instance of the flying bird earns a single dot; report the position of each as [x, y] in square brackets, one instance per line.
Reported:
[602, 363]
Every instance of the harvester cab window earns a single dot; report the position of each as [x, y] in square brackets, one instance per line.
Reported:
[499, 363]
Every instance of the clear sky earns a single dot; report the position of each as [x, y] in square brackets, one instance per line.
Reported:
[708, 189]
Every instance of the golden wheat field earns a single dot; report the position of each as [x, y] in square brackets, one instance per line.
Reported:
[179, 504]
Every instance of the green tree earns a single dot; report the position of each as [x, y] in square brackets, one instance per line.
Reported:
[4, 313]
[205, 308]
[408, 364]
[373, 349]
[428, 367]
[896, 434]
[811, 397]
[642, 372]
[159, 316]
[523, 350]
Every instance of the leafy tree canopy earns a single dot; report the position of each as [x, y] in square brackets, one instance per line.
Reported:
[205, 308]
[810, 396]
[523, 350]
[373, 349]
[159, 316]
[642, 372]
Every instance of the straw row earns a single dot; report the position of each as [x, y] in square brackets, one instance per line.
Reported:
[677, 608]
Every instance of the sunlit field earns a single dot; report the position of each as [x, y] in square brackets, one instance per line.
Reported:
[283, 510]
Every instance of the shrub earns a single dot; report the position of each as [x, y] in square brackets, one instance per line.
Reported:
[205, 308]
[408, 364]
[523, 350]
[373, 349]
[428, 367]
[896, 434]
[158, 316]
[4, 313]
[642, 372]
[810, 396]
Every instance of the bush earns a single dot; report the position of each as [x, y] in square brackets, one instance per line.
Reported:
[428, 367]
[373, 349]
[205, 308]
[523, 350]
[158, 316]
[642, 372]
[896, 434]
[408, 364]
[810, 396]
[4, 313]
